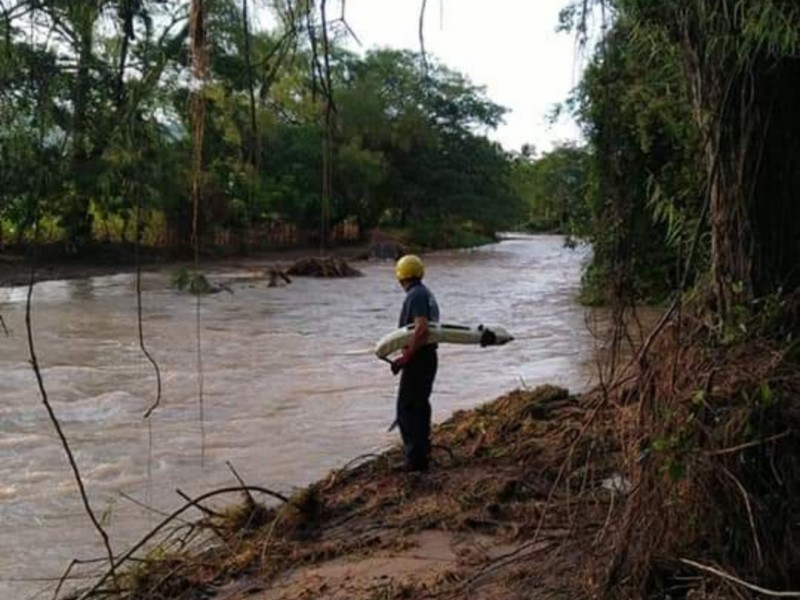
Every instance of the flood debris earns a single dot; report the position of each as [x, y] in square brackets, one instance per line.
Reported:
[679, 478]
[277, 276]
[322, 266]
[197, 283]
[711, 454]
[498, 484]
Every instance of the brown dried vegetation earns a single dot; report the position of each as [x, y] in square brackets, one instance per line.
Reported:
[679, 479]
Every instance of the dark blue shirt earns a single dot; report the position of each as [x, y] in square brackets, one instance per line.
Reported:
[419, 302]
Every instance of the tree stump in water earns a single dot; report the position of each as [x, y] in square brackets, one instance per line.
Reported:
[276, 275]
[329, 266]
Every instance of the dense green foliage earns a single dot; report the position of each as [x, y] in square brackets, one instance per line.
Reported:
[646, 185]
[690, 110]
[555, 187]
[690, 137]
[95, 131]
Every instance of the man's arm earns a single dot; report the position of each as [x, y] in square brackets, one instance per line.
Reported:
[420, 336]
[418, 340]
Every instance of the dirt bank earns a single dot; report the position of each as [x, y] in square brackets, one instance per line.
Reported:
[519, 492]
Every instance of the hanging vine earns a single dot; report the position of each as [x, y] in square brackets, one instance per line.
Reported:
[197, 112]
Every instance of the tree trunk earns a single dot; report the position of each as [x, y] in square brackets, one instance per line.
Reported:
[755, 224]
[77, 219]
[776, 215]
[747, 110]
[730, 169]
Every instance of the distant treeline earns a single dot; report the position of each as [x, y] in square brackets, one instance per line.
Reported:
[96, 137]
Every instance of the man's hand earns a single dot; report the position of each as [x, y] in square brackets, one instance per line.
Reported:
[401, 361]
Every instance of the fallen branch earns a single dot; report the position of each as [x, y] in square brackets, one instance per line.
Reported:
[750, 586]
[6, 330]
[203, 509]
[174, 515]
[749, 515]
[276, 273]
[66, 574]
[60, 432]
[143, 505]
[752, 444]
[250, 500]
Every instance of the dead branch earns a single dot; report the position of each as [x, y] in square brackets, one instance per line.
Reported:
[331, 266]
[749, 515]
[750, 586]
[199, 68]
[63, 579]
[59, 431]
[143, 505]
[752, 444]
[203, 509]
[174, 515]
[250, 500]
[139, 319]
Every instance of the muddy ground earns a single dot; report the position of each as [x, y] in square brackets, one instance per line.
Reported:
[516, 505]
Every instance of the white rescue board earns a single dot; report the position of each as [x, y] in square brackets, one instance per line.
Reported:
[448, 333]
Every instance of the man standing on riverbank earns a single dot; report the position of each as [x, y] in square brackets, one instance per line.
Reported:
[418, 364]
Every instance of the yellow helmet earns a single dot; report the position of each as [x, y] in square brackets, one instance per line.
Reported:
[409, 267]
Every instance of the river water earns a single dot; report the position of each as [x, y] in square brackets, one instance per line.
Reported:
[291, 388]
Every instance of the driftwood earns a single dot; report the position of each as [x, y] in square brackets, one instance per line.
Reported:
[276, 275]
[329, 266]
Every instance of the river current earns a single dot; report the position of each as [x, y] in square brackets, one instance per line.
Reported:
[291, 388]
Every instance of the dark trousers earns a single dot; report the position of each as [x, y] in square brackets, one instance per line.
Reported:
[414, 407]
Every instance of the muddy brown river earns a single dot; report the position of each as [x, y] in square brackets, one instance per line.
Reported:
[291, 388]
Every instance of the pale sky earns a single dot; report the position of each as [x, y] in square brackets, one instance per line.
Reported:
[508, 46]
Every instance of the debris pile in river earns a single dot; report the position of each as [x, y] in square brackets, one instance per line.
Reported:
[197, 283]
[326, 266]
[277, 276]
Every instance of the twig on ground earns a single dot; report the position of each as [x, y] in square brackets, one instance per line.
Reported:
[250, 500]
[143, 505]
[349, 466]
[752, 444]
[65, 576]
[174, 515]
[749, 515]
[750, 586]
[205, 510]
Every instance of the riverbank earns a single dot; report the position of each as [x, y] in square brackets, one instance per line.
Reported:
[526, 499]
[15, 270]
[521, 495]
[110, 259]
